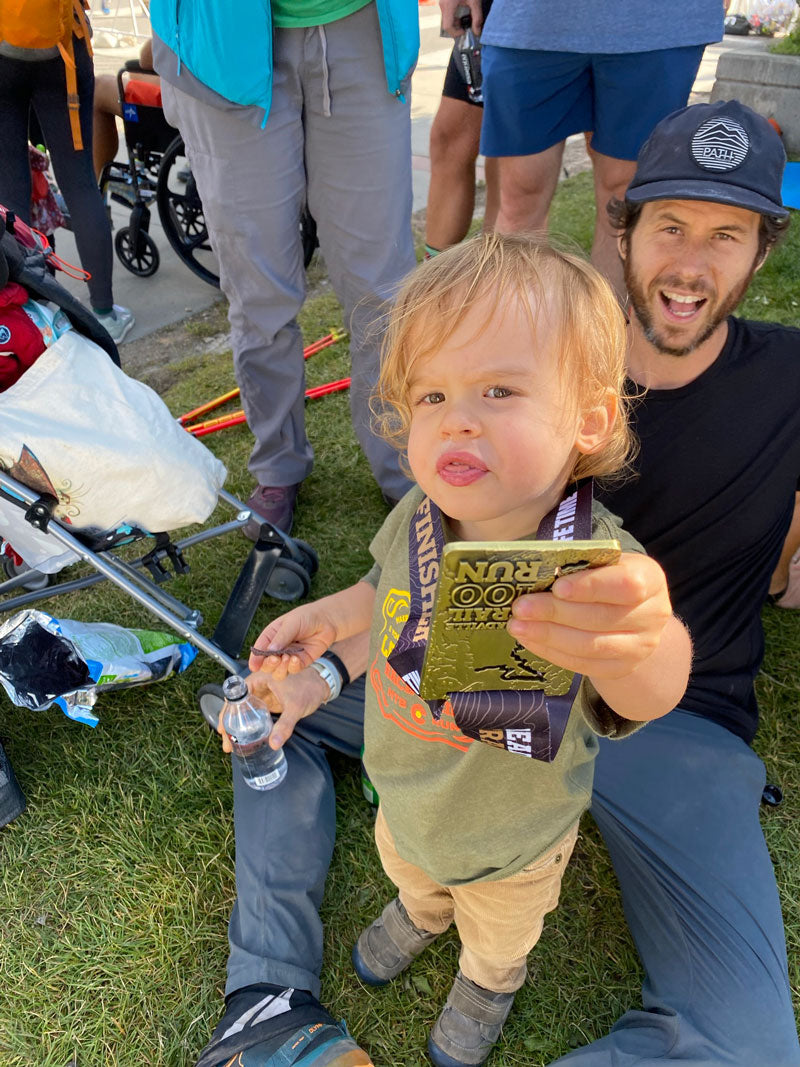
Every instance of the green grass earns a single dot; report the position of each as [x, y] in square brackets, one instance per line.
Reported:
[116, 885]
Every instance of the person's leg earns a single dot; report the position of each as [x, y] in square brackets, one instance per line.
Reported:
[499, 922]
[428, 904]
[526, 185]
[15, 171]
[74, 170]
[632, 93]
[252, 185]
[358, 160]
[532, 102]
[454, 147]
[611, 178]
[678, 807]
[492, 204]
[284, 842]
[106, 109]
[410, 922]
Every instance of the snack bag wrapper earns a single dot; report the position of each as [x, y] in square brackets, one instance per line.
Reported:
[44, 661]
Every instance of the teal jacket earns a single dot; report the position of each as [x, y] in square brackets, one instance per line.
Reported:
[228, 46]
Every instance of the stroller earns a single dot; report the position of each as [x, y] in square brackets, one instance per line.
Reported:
[277, 564]
[157, 170]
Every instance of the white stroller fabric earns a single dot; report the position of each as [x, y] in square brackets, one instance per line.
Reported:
[105, 444]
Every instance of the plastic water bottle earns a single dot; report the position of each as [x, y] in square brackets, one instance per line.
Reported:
[248, 724]
[468, 54]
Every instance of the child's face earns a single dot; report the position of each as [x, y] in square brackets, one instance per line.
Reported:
[494, 431]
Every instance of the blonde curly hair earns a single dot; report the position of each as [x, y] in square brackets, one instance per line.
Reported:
[589, 323]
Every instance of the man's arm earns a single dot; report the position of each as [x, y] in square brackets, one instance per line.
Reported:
[299, 695]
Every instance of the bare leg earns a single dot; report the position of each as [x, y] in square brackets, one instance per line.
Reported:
[454, 147]
[492, 195]
[106, 108]
[526, 187]
[611, 179]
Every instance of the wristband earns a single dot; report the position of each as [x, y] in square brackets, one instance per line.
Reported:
[330, 675]
[338, 663]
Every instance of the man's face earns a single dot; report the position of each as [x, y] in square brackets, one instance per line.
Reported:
[687, 265]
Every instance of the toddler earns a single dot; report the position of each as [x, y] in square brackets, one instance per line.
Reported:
[502, 380]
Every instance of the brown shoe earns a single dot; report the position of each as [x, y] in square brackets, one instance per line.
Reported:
[274, 504]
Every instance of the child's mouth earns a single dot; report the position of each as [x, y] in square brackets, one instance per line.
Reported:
[681, 307]
[460, 468]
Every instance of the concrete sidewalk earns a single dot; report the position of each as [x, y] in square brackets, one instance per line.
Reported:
[174, 292]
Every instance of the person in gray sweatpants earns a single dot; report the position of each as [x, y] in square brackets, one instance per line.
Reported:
[336, 138]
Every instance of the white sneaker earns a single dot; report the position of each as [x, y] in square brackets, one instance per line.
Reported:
[118, 322]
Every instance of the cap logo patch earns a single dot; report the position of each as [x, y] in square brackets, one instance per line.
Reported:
[720, 144]
[5, 335]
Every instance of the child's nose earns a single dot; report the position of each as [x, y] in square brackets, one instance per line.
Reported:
[459, 420]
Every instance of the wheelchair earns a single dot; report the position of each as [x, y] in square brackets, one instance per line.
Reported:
[157, 171]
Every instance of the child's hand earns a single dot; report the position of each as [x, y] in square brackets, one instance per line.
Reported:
[602, 622]
[296, 639]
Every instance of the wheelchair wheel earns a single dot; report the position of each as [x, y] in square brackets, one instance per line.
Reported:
[142, 258]
[181, 214]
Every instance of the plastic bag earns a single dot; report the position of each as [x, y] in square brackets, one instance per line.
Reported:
[46, 661]
[105, 445]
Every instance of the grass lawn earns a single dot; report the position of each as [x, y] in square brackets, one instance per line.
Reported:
[116, 885]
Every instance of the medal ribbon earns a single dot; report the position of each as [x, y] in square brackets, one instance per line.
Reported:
[526, 721]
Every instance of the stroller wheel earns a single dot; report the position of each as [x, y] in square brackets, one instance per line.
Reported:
[35, 580]
[288, 581]
[308, 557]
[210, 699]
[143, 259]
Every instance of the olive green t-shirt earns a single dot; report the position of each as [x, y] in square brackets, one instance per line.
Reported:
[462, 810]
[288, 14]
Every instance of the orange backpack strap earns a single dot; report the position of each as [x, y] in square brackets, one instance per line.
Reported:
[80, 28]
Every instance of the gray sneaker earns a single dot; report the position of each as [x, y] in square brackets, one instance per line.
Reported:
[118, 322]
[470, 1024]
[388, 946]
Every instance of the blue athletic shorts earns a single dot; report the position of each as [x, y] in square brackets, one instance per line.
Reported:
[534, 100]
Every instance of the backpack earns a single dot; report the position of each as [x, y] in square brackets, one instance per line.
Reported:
[49, 24]
[738, 25]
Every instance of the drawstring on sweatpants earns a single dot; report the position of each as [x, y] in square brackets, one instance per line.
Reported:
[326, 86]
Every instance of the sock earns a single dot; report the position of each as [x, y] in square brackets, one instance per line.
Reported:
[103, 311]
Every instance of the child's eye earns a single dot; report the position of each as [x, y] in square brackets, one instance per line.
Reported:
[498, 392]
[431, 398]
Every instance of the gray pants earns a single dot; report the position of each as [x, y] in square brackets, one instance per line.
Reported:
[678, 806]
[336, 138]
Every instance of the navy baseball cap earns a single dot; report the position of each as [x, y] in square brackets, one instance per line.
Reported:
[722, 152]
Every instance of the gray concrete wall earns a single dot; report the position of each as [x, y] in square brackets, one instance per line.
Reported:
[769, 84]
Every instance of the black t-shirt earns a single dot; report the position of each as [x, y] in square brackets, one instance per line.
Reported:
[712, 500]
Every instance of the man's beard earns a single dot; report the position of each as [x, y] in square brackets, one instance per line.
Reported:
[718, 314]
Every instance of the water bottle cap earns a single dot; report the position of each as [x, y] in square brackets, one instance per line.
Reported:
[234, 688]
